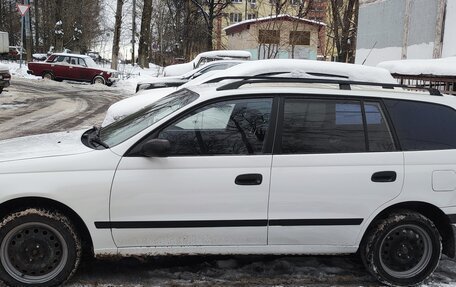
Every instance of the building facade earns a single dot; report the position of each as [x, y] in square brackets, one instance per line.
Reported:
[282, 36]
[405, 29]
[241, 10]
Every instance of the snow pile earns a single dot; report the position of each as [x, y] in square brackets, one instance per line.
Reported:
[132, 75]
[17, 71]
[436, 67]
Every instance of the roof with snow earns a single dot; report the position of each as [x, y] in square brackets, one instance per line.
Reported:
[243, 25]
[435, 67]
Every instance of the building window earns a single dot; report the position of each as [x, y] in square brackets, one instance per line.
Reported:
[300, 38]
[235, 17]
[269, 37]
[251, 16]
[296, 2]
[236, 1]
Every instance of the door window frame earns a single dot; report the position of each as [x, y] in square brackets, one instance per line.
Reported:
[277, 149]
[135, 149]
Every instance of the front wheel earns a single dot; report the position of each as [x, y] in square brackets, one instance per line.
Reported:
[38, 248]
[403, 249]
[99, 80]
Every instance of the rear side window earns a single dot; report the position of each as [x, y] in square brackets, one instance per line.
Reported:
[423, 126]
[322, 126]
[334, 126]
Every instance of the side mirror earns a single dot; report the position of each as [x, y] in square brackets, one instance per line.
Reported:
[156, 147]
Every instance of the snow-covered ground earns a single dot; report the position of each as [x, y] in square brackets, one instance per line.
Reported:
[130, 75]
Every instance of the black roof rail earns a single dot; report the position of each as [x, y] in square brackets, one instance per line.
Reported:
[343, 84]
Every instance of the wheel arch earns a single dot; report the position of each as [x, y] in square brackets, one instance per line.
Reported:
[48, 72]
[17, 204]
[435, 214]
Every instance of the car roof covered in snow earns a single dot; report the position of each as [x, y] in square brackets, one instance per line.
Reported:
[303, 68]
[436, 67]
[71, 55]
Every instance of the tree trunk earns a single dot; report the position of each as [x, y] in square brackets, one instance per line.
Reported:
[58, 18]
[145, 37]
[115, 44]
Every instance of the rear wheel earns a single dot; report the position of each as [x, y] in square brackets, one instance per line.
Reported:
[403, 249]
[48, 76]
[38, 248]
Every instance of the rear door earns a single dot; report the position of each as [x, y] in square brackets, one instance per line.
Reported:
[335, 162]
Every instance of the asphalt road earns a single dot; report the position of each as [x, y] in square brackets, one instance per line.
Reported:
[33, 107]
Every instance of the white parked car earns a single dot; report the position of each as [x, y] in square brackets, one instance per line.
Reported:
[176, 81]
[257, 166]
[203, 58]
[275, 67]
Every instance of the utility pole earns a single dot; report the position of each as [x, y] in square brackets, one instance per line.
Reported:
[28, 33]
[133, 32]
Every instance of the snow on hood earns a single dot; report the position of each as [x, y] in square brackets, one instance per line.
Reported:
[44, 145]
[437, 67]
[133, 104]
[178, 69]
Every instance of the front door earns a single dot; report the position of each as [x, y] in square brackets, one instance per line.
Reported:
[212, 188]
[335, 163]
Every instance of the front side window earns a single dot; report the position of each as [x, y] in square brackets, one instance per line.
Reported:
[322, 126]
[129, 126]
[232, 127]
[423, 126]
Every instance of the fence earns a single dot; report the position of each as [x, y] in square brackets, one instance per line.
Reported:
[445, 84]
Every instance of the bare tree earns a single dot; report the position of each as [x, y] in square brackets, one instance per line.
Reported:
[145, 36]
[117, 27]
[211, 10]
[343, 28]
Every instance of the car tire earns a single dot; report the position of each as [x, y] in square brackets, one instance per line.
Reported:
[48, 76]
[403, 249]
[1, 90]
[99, 80]
[38, 248]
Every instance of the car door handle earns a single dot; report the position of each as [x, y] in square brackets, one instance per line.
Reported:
[384, 176]
[249, 179]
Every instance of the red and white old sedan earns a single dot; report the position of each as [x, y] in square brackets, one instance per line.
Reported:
[62, 66]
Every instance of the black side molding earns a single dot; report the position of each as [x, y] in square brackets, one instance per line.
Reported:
[227, 223]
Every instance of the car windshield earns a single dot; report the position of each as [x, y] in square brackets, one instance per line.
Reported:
[131, 125]
[90, 62]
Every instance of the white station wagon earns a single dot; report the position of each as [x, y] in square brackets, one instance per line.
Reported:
[254, 166]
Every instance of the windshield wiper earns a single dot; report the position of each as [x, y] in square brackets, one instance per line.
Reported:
[95, 137]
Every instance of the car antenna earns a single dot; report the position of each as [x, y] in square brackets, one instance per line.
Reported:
[369, 52]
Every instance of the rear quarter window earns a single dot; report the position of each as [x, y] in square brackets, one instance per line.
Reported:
[423, 126]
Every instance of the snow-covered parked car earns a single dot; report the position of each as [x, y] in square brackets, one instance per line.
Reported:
[176, 81]
[5, 77]
[262, 165]
[64, 66]
[277, 67]
[203, 58]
